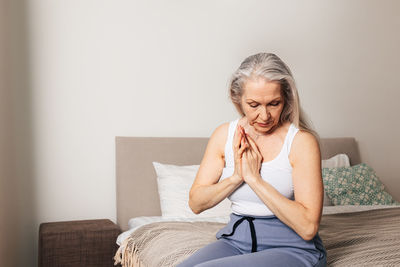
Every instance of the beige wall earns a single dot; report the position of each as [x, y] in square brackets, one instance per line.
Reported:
[5, 171]
[8, 213]
[87, 71]
[18, 241]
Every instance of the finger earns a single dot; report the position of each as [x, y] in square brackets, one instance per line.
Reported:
[243, 147]
[257, 154]
[247, 155]
[255, 150]
[253, 154]
[244, 159]
[237, 138]
[243, 132]
[253, 144]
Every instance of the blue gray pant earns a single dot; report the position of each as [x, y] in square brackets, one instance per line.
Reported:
[258, 241]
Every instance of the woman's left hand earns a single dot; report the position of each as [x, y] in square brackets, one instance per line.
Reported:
[251, 161]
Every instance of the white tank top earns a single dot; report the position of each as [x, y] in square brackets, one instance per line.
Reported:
[277, 172]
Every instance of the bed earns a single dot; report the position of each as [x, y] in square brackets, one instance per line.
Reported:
[353, 235]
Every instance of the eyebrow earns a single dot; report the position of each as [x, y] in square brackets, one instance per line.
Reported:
[276, 98]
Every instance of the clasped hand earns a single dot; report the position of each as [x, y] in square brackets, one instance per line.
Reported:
[247, 157]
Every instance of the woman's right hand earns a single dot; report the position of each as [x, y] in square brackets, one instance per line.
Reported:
[239, 146]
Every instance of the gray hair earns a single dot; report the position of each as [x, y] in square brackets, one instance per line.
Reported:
[271, 68]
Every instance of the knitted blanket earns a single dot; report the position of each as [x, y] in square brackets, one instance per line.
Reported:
[367, 238]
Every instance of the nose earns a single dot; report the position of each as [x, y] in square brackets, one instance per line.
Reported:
[265, 115]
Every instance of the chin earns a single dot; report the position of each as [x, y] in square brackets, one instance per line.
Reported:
[267, 127]
[264, 129]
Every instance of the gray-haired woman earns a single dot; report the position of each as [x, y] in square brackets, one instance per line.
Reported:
[268, 163]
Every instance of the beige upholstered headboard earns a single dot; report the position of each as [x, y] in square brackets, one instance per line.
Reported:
[137, 193]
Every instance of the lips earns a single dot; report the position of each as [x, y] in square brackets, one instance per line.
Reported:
[264, 124]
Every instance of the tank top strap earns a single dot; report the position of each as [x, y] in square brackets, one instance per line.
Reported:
[290, 136]
[229, 159]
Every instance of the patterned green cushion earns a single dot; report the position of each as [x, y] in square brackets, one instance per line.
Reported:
[355, 185]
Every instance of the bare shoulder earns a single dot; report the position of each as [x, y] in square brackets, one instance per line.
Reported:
[304, 145]
[218, 139]
[213, 160]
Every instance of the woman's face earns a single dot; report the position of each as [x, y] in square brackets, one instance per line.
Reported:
[262, 104]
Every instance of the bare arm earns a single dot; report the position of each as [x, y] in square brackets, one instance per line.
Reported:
[303, 214]
[206, 191]
[203, 197]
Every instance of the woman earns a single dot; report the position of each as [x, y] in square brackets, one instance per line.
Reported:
[268, 163]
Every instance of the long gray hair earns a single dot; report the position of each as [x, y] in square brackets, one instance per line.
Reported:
[270, 67]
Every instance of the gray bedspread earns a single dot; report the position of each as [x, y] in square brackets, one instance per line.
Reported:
[366, 238]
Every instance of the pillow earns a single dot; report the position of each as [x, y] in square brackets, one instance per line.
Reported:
[339, 160]
[174, 183]
[355, 185]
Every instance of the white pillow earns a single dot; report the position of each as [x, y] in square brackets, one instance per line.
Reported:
[174, 183]
[339, 160]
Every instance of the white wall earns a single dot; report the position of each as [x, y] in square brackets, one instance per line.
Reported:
[97, 69]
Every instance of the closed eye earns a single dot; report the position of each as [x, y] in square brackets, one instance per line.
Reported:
[271, 104]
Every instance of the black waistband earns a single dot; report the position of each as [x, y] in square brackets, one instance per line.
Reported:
[252, 230]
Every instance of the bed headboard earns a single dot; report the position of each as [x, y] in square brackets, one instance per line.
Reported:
[137, 193]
